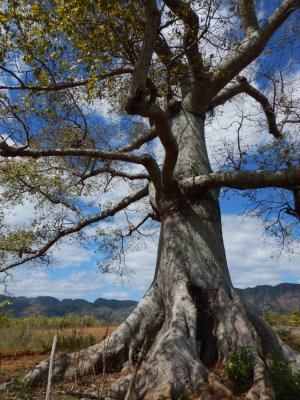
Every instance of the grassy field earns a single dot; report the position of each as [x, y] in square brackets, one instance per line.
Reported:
[24, 342]
[37, 333]
[287, 326]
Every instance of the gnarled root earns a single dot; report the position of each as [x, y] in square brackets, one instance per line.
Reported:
[174, 367]
[261, 388]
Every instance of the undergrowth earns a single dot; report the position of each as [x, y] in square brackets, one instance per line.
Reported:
[238, 369]
[19, 390]
[286, 384]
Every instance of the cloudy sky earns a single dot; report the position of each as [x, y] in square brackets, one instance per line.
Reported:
[252, 259]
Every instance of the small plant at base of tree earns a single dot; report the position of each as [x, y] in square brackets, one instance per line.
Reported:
[19, 390]
[286, 383]
[238, 369]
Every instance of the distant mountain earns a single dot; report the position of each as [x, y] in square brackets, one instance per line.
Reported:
[109, 310]
[281, 298]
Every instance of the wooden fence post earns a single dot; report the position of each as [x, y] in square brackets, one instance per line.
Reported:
[50, 373]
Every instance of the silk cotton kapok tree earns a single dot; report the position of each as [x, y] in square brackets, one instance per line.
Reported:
[162, 70]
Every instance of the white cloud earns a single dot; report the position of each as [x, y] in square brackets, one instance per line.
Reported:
[250, 255]
[20, 214]
[113, 294]
[71, 255]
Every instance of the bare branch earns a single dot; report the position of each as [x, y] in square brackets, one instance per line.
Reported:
[51, 198]
[140, 140]
[264, 102]
[79, 226]
[243, 86]
[284, 178]
[13, 74]
[248, 16]
[251, 47]
[62, 85]
[132, 229]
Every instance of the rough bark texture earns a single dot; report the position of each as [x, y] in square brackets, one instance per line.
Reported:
[191, 315]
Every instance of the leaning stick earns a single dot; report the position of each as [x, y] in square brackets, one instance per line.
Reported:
[50, 373]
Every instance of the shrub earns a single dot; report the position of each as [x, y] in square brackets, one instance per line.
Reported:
[75, 341]
[5, 316]
[286, 384]
[238, 369]
[19, 390]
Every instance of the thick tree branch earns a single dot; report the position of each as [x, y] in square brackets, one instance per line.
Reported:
[284, 178]
[191, 30]
[138, 90]
[226, 94]
[251, 47]
[113, 172]
[243, 86]
[79, 226]
[138, 142]
[62, 85]
[144, 159]
[248, 16]
[295, 212]
[142, 94]
[161, 122]
[266, 106]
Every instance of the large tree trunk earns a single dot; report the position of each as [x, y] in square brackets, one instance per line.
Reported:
[191, 317]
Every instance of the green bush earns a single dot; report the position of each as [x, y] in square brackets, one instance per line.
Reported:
[238, 368]
[286, 384]
[291, 318]
[5, 316]
[75, 341]
[19, 390]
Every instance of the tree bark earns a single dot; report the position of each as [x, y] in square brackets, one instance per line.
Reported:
[191, 315]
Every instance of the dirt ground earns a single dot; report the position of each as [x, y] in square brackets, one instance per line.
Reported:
[90, 387]
[12, 362]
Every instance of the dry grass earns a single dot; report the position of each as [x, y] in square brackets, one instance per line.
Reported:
[24, 343]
